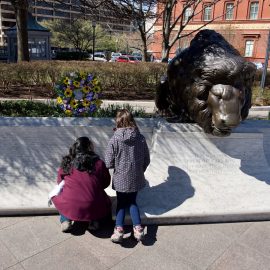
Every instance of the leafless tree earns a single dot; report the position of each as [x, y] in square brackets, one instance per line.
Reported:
[143, 17]
[173, 23]
[141, 14]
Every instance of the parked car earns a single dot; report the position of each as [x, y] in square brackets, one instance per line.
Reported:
[137, 55]
[99, 57]
[114, 56]
[127, 59]
[258, 65]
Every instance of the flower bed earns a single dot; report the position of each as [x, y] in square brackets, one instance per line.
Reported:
[79, 94]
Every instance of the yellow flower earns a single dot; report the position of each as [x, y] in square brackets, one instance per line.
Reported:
[96, 89]
[59, 100]
[68, 92]
[95, 81]
[76, 83]
[73, 103]
[66, 81]
[86, 89]
[98, 102]
[68, 112]
[83, 74]
[86, 103]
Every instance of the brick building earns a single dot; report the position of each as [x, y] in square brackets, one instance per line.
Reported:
[245, 24]
[44, 10]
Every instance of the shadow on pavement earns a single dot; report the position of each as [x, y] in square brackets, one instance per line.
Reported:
[168, 195]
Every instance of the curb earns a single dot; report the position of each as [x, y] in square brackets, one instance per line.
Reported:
[190, 219]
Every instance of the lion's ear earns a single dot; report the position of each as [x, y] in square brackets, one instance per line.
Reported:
[249, 70]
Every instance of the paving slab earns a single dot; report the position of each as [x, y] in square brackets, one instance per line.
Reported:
[192, 177]
[239, 257]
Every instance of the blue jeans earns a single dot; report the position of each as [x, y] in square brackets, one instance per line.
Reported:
[127, 200]
[63, 218]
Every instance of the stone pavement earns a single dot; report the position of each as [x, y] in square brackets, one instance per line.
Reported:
[36, 243]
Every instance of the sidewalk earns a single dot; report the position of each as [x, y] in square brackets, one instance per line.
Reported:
[36, 243]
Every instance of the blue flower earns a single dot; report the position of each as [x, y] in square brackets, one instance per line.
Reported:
[90, 77]
[78, 94]
[89, 96]
[80, 110]
[93, 107]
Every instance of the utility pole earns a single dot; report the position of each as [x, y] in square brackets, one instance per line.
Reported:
[94, 24]
[265, 63]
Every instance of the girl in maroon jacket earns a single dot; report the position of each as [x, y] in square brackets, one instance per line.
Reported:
[83, 197]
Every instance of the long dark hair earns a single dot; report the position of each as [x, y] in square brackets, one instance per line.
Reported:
[81, 156]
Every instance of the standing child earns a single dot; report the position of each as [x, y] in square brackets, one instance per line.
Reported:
[85, 176]
[127, 153]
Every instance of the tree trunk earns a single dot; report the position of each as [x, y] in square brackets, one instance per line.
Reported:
[21, 9]
[144, 41]
[165, 52]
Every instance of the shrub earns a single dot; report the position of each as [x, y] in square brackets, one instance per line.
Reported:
[27, 108]
[119, 80]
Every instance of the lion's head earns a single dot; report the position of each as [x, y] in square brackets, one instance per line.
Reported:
[209, 83]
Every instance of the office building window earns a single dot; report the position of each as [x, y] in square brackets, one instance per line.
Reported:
[249, 48]
[207, 15]
[229, 11]
[253, 10]
[187, 14]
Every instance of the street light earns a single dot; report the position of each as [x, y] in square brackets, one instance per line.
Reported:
[94, 24]
[265, 64]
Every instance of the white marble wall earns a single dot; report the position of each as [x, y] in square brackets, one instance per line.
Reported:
[192, 175]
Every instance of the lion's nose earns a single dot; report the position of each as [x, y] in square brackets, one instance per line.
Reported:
[229, 121]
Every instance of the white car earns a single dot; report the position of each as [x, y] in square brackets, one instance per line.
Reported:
[98, 58]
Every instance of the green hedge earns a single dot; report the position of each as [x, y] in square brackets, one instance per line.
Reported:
[118, 79]
[27, 108]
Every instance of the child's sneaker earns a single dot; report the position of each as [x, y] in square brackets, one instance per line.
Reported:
[138, 232]
[118, 235]
[93, 225]
[66, 226]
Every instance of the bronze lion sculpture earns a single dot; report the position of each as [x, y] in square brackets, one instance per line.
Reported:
[208, 83]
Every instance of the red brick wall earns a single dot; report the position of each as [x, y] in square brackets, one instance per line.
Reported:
[236, 31]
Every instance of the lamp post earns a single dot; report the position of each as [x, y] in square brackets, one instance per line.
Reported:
[94, 24]
[265, 63]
